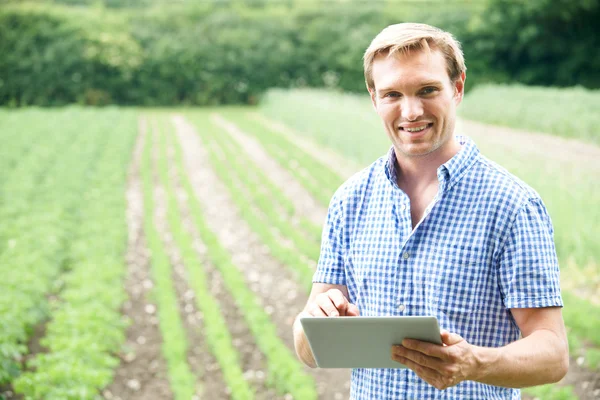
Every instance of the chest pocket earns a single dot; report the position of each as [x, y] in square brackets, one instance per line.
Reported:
[459, 278]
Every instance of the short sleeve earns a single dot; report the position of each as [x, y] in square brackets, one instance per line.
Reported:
[330, 268]
[528, 270]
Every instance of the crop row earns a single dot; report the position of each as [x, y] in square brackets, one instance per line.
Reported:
[316, 177]
[267, 197]
[19, 138]
[231, 168]
[284, 371]
[85, 324]
[215, 329]
[241, 173]
[174, 340]
[45, 191]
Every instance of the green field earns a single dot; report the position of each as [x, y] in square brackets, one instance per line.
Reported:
[167, 251]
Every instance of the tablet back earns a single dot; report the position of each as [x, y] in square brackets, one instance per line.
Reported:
[364, 342]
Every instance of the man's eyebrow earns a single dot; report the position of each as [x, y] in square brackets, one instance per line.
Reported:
[421, 84]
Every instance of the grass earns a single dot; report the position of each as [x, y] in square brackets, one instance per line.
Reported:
[570, 113]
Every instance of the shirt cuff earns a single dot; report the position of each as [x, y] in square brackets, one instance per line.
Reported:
[323, 277]
[534, 302]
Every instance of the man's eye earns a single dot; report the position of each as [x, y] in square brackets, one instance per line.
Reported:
[392, 94]
[428, 90]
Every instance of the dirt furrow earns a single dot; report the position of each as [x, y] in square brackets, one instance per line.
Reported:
[142, 373]
[281, 296]
[305, 205]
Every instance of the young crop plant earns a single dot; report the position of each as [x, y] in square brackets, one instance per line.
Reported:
[284, 371]
[86, 325]
[175, 345]
[45, 190]
[266, 197]
[317, 178]
[215, 328]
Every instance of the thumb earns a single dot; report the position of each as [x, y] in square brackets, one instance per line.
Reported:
[449, 338]
[352, 310]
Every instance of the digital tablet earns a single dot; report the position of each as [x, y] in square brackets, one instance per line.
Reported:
[364, 342]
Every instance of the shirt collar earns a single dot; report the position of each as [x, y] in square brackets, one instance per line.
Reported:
[449, 172]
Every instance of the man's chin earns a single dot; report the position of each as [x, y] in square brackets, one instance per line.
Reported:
[416, 150]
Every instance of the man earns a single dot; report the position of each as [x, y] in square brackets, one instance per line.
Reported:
[435, 228]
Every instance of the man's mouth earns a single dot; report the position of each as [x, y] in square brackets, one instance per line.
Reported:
[416, 129]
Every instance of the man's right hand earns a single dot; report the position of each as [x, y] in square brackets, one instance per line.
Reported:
[332, 303]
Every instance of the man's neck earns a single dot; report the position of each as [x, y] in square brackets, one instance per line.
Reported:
[421, 171]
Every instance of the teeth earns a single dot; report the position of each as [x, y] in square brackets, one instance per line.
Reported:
[415, 129]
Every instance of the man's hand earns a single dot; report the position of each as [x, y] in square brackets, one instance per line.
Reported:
[440, 366]
[331, 303]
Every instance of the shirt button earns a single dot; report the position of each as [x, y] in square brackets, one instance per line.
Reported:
[405, 255]
[403, 207]
[401, 307]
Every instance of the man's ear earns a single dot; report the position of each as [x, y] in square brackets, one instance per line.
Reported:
[459, 87]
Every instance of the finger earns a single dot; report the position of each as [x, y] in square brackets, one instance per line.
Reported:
[352, 310]
[430, 349]
[419, 358]
[427, 374]
[324, 301]
[449, 338]
[315, 311]
[339, 300]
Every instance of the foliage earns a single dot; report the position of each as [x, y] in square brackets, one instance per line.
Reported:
[541, 42]
[206, 53]
[54, 55]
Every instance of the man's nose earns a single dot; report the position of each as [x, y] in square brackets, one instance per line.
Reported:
[412, 108]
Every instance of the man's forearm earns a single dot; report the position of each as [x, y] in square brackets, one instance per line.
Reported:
[303, 350]
[540, 358]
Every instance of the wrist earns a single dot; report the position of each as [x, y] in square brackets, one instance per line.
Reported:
[485, 360]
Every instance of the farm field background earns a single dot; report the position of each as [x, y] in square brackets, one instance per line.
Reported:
[163, 253]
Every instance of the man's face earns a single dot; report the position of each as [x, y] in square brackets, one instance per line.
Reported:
[416, 100]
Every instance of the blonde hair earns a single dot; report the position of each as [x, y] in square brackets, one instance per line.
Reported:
[406, 37]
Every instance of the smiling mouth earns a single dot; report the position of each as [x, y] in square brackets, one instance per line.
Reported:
[417, 129]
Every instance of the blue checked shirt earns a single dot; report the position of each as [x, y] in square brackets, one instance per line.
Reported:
[484, 246]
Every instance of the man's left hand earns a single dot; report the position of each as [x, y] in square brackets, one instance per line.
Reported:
[442, 366]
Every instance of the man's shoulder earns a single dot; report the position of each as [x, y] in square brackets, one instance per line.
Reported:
[500, 184]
